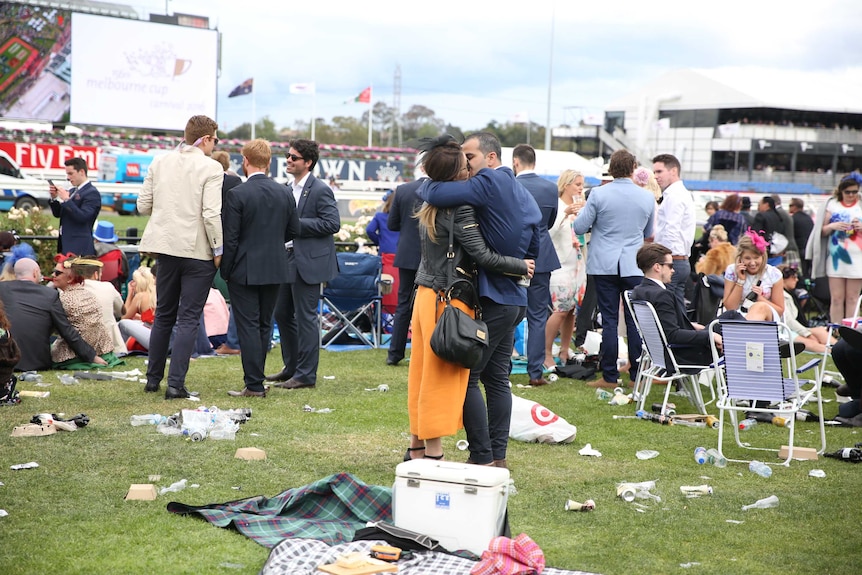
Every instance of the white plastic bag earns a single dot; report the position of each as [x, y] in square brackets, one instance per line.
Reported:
[533, 422]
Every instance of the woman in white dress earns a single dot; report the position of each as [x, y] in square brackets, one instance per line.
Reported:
[567, 283]
[842, 225]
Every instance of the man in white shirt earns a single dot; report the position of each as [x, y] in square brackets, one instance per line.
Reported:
[675, 221]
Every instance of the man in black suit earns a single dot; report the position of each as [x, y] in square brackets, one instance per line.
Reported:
[539, 292]
[231, 180]
[405, 204]
[77, 209]
[690, 341]
[802, 226]
[311, 262]
[258, 219]
[34, 312]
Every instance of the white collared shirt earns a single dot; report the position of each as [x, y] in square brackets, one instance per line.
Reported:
[297, 191]
[659, 282]
[675, 220]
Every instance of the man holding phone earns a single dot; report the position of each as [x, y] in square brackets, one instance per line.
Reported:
[77, 209]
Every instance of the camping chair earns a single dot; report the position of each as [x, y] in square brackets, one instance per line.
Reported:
[350, 304]
[644, 363]
[663, 364]
[112, 268]
[755, 372]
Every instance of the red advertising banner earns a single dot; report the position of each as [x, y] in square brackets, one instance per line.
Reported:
[50, 156]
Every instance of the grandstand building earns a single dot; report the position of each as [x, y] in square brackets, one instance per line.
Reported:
[742, 130]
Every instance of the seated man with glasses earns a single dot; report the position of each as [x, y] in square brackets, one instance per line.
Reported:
[690, 341]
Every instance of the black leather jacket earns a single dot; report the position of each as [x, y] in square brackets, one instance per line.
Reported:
[469, 247]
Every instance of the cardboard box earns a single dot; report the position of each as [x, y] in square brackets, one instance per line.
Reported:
[462, 506]
[33, 430]
[798, 453]
[250, 453]
[141, 492]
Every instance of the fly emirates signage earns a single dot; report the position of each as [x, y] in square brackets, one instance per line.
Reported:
[50, 156]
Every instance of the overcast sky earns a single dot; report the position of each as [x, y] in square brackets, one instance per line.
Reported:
[472, 62]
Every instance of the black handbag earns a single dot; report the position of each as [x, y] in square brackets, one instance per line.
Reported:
[457, 337]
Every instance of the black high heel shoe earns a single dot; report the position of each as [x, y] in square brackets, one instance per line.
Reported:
[409, 449]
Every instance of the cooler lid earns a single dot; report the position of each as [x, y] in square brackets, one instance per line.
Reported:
[452, 472]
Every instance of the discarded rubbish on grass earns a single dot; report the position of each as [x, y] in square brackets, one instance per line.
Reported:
[644, 454]
[628, 491]
[462, 444]
[620, 398]
[588, 450]
[382, 387]
[696, 490]
[174, 487]
[765, 503]
[30, 376]
[197, 424]
[67, 379]
[310, 409]
[587, 505]
[817, 473]
[19, 466]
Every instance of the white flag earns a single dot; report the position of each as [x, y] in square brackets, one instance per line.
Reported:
[520, 118]
[302, 88]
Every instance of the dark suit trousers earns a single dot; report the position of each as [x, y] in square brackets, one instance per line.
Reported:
[296, 316]
[609, 290]
[488, 429]
[584, 320]
[538, 303]
[252, 307]
[181, 292]
[403, 313]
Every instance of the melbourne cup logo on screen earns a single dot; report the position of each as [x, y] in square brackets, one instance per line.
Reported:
[158, 61]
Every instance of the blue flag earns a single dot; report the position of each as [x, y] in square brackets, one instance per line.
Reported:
[242, 89]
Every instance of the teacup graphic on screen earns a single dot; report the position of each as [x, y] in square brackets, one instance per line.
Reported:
[181, 66]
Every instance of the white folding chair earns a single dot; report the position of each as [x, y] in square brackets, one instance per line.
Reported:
[663, 364]
[754, 372]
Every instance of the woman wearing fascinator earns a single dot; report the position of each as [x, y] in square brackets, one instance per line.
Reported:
[751, 285]
[436, 388]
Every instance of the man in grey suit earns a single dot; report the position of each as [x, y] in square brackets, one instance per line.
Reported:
[539, 292]
[405, 204]
[254, 263]
[620, 215]
[311, 262]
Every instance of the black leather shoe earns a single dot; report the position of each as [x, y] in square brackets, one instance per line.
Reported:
[282, 375]
[247, 393]
[152, 387]
[179, 393]
[843, 390]
[293, 384]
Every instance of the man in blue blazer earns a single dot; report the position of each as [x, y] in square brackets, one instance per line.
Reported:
[620, 215]
[539, 293]
[405, 204]
[77, 209]
[509, 219]
[258, 218]
[311, 262]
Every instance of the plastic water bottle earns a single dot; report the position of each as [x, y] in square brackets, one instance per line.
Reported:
[716, 458]
[747, 423]
[31, 376]
[223, 433]
[760, 468]
[766, 503]
[174, 487]
[147, 419]
[700, 455]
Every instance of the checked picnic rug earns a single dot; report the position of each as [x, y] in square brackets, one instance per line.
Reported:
[329, 510]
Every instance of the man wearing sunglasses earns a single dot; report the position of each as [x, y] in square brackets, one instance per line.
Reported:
[311, 262]
[182, 195]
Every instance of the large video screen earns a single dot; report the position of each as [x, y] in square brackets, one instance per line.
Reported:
[141, 74]
[104, 71]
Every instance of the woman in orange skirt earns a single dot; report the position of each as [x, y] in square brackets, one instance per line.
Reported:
[436, 388]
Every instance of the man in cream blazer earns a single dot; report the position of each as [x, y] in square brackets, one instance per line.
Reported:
[182, 194]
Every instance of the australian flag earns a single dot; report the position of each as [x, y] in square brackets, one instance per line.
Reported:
[242, 89]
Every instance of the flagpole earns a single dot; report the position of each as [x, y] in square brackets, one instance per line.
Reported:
[252, 114]
[313, 109]
[370, 109]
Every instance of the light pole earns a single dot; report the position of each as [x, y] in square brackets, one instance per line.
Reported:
[550, 78]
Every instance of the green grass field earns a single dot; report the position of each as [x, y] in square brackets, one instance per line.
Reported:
[69, 515]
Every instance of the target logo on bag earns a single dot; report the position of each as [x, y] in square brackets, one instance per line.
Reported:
[542, 415]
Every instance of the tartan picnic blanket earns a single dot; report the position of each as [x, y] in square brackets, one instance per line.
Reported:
[304, 556]
[329, 510]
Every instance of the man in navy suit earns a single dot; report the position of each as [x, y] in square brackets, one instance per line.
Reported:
[77, 209]
[690, 342]
[509, 219]
[539, 293]
[311, 262]
[258, 218]
[408, 254]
